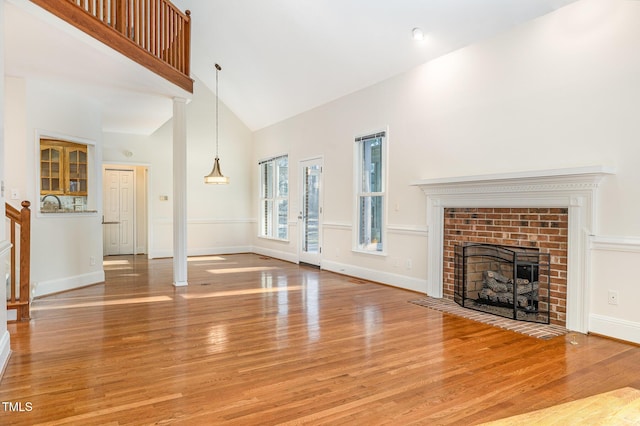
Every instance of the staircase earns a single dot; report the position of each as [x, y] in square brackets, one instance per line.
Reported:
[18, 290]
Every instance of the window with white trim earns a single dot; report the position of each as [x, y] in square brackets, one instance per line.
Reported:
[274, 198]
[370, 187]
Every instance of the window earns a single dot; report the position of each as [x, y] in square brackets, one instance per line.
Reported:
[370, 184]
[274, 198]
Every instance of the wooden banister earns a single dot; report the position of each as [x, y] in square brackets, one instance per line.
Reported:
[19, 299]
[153, 33]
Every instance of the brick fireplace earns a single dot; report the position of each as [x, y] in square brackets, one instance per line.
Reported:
[545, 229]
[559, 207]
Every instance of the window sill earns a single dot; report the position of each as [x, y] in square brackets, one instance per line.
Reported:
[373, 253]
[279, 240]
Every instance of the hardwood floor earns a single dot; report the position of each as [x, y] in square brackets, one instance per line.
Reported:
[255, 341]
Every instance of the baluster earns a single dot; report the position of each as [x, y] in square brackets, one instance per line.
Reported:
[154, 27]
[137, 14]
[187, 44]
[13, 260]
[172, 37]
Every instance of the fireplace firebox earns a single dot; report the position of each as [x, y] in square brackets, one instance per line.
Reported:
[512, 282]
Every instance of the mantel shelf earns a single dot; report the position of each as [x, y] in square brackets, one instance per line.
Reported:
[586, 173]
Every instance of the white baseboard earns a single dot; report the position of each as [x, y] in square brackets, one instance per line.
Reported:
[396, 280]
[5, 351]
[219, 250]
[43, 288]
[211, 251]
[614, 327]
[277, 254]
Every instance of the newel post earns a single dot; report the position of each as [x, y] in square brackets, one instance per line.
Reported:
[25, 258]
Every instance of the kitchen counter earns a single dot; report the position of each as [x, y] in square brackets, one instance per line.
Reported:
[67, 211]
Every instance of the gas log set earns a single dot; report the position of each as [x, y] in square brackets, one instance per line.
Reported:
[512, 282]
[496, 288]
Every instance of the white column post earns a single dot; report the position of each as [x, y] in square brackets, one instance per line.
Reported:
[179, 192]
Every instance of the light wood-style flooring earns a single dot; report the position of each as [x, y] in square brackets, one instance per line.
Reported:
[257, 341]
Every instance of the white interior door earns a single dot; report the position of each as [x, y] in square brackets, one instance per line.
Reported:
[119, 214]
[310, 216]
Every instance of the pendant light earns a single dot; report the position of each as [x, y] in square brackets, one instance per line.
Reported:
[216, 177]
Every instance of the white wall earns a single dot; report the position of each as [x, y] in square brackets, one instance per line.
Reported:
[61, 245]
[5, 346]
[219, 216]
[560, 91]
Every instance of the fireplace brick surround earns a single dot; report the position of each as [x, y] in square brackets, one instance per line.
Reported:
[573, 190]
[543, 228]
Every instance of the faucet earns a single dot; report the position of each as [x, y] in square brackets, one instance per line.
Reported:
[54, 196]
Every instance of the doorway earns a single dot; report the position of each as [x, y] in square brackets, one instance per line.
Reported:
[310, 216]
[124, 206]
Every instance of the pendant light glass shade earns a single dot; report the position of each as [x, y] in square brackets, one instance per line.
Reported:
[216, 177]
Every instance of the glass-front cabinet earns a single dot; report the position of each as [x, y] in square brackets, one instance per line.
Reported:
[51, 175]
[64, 176]
[77, 162]
[63, 168]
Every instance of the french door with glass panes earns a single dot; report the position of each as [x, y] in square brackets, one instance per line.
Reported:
[310, 216]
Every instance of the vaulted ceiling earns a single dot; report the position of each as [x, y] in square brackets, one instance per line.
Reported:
[283, 57]
[279, 57]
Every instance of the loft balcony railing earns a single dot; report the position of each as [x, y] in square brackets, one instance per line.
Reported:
[153, 33]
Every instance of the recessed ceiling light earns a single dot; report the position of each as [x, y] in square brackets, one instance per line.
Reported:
[417, 34]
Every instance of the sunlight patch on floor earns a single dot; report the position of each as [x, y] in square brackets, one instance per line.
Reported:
[116, 262]
[131, 301]
[199, 258]
[118, 268]
[241, 292]
[246, 269]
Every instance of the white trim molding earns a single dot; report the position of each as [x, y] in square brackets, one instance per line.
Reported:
[615, 327]
[202, 251]
[419, 231]
[276, 254]
[5, 351]
[44, 288]
[5, 246]
[5, 339]
[572, 188]
[341, 226]
[395, 280]
[626, 244]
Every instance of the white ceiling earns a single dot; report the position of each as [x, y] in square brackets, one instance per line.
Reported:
[282, 57]
[279, 57]
[39, 46]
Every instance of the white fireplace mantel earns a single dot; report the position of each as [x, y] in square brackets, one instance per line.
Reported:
[571, 188]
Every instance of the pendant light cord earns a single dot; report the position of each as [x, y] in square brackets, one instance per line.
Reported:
[217, 70]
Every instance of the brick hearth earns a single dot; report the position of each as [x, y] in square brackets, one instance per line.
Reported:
[543, 228]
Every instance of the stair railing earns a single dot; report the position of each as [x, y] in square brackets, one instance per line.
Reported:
[20, 292]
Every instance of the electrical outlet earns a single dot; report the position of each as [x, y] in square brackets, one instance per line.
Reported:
[613, 297]
[92, 260]
[409, 264]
